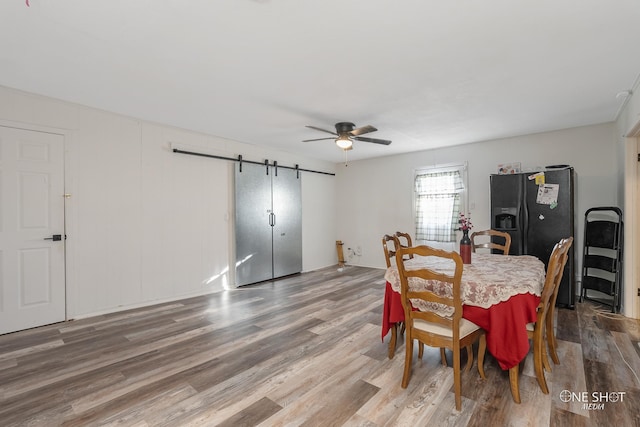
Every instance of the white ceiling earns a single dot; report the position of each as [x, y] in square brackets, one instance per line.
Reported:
[426, 73]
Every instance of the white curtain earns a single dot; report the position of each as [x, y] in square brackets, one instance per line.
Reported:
[437, 205]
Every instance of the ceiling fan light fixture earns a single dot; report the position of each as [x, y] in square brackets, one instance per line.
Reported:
[343, 142]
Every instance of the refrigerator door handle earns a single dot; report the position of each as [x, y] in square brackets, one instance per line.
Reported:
[272, 219]
[525, 226]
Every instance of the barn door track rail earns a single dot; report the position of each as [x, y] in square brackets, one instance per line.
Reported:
[266, 163]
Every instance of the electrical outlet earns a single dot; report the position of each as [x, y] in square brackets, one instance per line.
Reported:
[359, 250]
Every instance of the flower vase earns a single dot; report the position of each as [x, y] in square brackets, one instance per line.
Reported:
[465, 247]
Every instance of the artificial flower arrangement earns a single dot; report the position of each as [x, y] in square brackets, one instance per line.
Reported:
[465, 222]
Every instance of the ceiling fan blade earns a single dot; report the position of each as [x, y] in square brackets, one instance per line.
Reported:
[374, 140]
[322, 130]
[317, 139]
[362, 130]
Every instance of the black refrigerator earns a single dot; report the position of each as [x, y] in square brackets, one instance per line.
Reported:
[536, 209]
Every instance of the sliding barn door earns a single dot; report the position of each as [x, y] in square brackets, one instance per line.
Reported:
[287, 228]
[268, 223]
[254, 253]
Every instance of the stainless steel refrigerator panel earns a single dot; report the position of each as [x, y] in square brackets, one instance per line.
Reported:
[253, 232]
[287, 229]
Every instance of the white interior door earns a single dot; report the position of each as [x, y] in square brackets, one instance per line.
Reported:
[32, 275]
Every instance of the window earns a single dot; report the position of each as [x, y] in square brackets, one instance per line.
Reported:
[439, 197]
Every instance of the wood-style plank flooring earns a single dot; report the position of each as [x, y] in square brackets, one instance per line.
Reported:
[305, 350]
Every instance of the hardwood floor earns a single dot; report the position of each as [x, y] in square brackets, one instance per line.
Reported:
[305, 350]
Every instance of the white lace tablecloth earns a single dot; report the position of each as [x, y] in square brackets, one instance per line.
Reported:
[488, 280]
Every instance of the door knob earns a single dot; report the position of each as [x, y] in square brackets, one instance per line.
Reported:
[55, 237]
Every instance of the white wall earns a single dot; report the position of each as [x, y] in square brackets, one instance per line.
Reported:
[375, 196]
[145, 224]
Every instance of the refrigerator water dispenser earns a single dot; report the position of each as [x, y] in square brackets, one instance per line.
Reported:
[505, 221]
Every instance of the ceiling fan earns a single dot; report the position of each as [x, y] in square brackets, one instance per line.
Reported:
[346, 133]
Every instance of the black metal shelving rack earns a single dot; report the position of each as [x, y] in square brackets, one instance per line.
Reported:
[602, 256]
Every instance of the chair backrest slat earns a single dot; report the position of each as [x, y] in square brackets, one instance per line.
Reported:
[491, 243]
[431, 298]
[388, 253]
[404, 240]
[555, 269]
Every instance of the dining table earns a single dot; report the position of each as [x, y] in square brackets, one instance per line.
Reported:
[500, 294]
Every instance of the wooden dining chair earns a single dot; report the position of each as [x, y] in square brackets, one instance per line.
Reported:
[491, 244]
[536, 330]
[551, 311]
[389, 255]
[405, 241]
[446, 329]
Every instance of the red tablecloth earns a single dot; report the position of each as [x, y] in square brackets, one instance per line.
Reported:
[505, 323]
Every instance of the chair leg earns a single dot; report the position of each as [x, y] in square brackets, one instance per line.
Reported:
[443, 357]
[545, 359]
[408, 358]
[469, 358]
[457, 387]
[482, 347]
[513, 381]
[551, 338]
[538, 364]
[393, 341]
